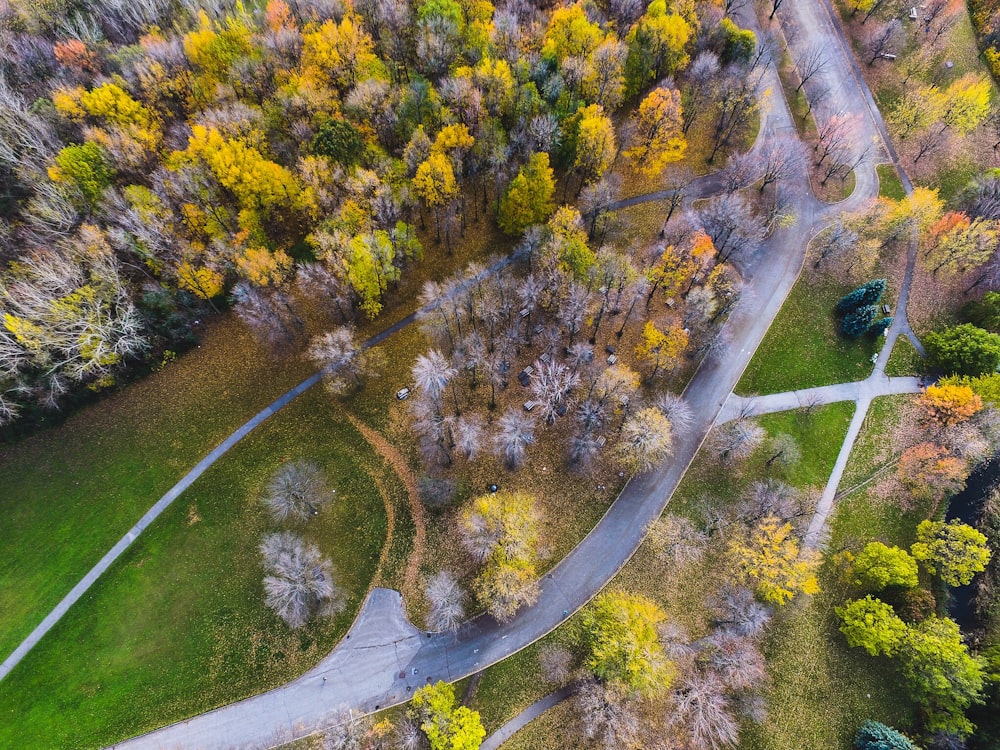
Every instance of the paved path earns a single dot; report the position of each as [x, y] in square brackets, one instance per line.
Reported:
[384, 657]
[878, 384]
[528, 715]
[372, 674]
[188, 479]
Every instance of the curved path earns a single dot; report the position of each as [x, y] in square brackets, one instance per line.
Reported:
[384, 657]
[188, 479]
[373, 669]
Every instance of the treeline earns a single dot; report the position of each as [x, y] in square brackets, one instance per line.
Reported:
[159, 158]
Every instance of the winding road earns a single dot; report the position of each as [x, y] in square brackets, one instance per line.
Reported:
[384, 657]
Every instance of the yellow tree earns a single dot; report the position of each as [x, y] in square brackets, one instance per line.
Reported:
[202, 282]
[596, 147]
[571, 34]
[966, 103]
[658, 138]
[949, 403]
[660, 348]
[673, 269]
[434, 183]
[264, 268]
[339, 55]
[770, 558]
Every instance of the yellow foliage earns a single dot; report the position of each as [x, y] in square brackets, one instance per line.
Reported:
[451, 138]
[67, 102]
[769, 557]
[264, 268]
[949, 403]
[661, 347]
[201, 282]
[571, 34]
[434, 181]
[336, 54]
[595, 144]
[659, 138]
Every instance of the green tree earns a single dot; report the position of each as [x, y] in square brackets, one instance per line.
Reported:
[85, 167]
[953, 551]
[340, 141]
[738, 44]
[941, 674]
[447, 726]
[867, 294]
[873, 735]
[858, 321]
[873, 625]
[528, 200]
[879, 566]
[623, 646]
[985, 312]
[963, 350]
[656, 46]
[569, 241]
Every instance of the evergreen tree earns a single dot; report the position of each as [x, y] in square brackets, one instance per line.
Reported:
[879, 326]
[857, 322]
[874, 735]
[866, 294]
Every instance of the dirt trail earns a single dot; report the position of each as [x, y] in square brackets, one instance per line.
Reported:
[395, 459]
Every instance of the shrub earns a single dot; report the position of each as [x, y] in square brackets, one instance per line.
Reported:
[874, 735]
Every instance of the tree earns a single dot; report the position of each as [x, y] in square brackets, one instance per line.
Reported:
[658, 138]
[595, 143]
[953, 551]
[859, 321]
[739, 613]
[738, 44]
[966, 103]
[85, 167]
[515, 432]
[608, 715]
[300, 583]
[940, 673]
[873, 735]
[501, 531]
[963, 350]
[948, 404]
[867, 294]
[646, 440]
[984, 312]
[661, 348]
[296, 492]
[676, 539]
[704, 712]
[432, 373]
[447, 726]
[528, 200]
[783, 450]
[676, 410]
[571, 34]
[447, 601]
[551, 385]
[769, 557]
[873, 625]
[340, 141]
[656, 45]
[879, 566]
[435, 185]
[930, 472]
[882, 40]
[341, 360]
[812, 63]
[737, 440]
[619, 633]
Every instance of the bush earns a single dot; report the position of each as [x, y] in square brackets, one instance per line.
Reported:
[963, 350]
[874, 735]
[858, 322]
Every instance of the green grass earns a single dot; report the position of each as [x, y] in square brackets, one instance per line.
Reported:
[889, 184]
[178, 624]
[904, 360]
[803, 347]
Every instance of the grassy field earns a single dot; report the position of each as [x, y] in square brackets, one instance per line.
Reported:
[904, 360]
[803, 347]
[178, 625]
[889, 184]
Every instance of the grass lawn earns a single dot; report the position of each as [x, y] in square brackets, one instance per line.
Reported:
[889, 184]
[803, 347]
[904, 360]
[178, 625]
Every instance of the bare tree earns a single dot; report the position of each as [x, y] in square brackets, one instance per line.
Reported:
[646, 439]
[882, 40]
[737, 611]
[340, 358]
[516, 431]
[349, 731]
[737, 440]
[834, 243]
[556, 663]
[704, 711]
[447, 601]
[300, 583]
[677, 540]
[773, 498]
[297, 492]
[609, 717]
[730, 221]
[737, 661]
[551, 385]
[783, 450]
[676, 409]
[432, 373]
[812, 63]
[699, 78]
[468, 434]
[742, 170]
[268, 313]
[779, 161]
